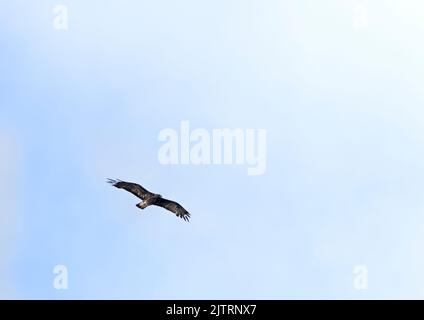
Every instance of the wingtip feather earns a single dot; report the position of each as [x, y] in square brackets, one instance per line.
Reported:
[186, 216]
[113, 182]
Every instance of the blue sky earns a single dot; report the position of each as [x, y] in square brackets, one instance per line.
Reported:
[342, 106]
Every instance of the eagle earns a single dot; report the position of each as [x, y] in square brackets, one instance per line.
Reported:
[149, 198]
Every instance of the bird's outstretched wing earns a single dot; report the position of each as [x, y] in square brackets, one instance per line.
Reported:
[173, 207]
[134, 188]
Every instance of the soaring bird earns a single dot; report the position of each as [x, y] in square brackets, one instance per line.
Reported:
[149, 198]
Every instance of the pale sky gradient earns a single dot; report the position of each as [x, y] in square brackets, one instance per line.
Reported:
[343, 110]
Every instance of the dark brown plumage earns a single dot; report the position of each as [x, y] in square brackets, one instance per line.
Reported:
[149, 198]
